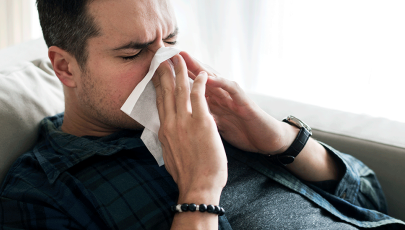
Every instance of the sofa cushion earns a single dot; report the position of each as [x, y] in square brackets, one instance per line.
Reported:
[29, 91]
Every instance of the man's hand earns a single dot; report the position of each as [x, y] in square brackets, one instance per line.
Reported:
[192, 148]
[240, 121]
[246, 126]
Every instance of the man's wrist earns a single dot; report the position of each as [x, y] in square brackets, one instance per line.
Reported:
[289, 134]
[200, 197]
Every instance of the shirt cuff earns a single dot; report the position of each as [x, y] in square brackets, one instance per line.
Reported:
[348, 186]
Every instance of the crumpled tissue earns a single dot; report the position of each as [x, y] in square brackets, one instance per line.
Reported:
[141, 104]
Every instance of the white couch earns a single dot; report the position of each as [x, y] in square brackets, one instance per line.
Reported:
[30, 91]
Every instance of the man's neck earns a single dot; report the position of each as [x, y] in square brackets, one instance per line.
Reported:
[81, 125]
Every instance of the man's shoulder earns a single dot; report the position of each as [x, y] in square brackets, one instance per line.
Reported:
[25, 174]
[27, 166]
[50, 123]
[55, 152]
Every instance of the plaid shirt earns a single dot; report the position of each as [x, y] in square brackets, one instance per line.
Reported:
[113, 182]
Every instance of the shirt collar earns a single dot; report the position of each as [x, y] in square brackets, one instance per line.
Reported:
[58, 151]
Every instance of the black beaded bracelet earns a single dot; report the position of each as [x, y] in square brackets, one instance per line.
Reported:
[202, 208]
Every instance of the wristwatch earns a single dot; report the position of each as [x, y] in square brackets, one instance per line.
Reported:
[298, 144]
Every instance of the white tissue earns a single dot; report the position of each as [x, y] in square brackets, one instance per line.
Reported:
[141, 104]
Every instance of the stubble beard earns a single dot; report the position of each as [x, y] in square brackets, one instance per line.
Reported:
[99, 108]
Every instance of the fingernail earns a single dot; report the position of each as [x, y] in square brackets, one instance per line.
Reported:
[175, 60]
[203, 73]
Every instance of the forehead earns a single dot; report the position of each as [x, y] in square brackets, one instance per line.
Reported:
[140, 20]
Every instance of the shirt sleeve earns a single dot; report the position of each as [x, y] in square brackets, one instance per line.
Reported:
[359, 184]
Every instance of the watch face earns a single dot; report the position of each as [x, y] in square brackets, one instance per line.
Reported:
[298, 123]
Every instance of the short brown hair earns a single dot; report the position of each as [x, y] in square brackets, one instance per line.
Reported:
[68, 25]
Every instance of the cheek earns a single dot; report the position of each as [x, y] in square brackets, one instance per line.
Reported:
[126, 81]
[115, 81]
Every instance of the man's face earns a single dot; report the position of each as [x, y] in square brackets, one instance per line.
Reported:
[131, 33]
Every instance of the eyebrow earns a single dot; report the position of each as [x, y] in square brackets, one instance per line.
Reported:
[138, 46]
[174, 34]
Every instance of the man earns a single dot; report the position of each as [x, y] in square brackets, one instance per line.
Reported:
[90, 170]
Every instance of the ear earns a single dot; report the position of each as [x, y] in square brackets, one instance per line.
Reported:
[63, 63]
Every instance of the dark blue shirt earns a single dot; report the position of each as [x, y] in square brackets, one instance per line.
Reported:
[113, 182]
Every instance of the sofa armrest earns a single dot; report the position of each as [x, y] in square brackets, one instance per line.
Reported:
[386, 161]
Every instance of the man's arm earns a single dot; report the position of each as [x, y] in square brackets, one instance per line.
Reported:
[246, 126]
[313, 163]
[192, 148]
[359, 184]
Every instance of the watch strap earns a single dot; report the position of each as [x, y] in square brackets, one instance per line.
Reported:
[292, 152]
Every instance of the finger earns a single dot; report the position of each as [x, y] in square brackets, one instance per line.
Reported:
[193, 65]
[182, 91]
[194, 68]
[167, 84]
[208, 91]
[197, 96]
[218, 92]
[231, 87]
[191, 75]
[159, 97]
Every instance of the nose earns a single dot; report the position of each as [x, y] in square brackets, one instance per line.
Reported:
[156, 45]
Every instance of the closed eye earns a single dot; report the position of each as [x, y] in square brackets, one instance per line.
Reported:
[136, 55]
[133, 56]
[171, 43]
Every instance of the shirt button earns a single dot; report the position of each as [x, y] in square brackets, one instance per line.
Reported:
[343, 195]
